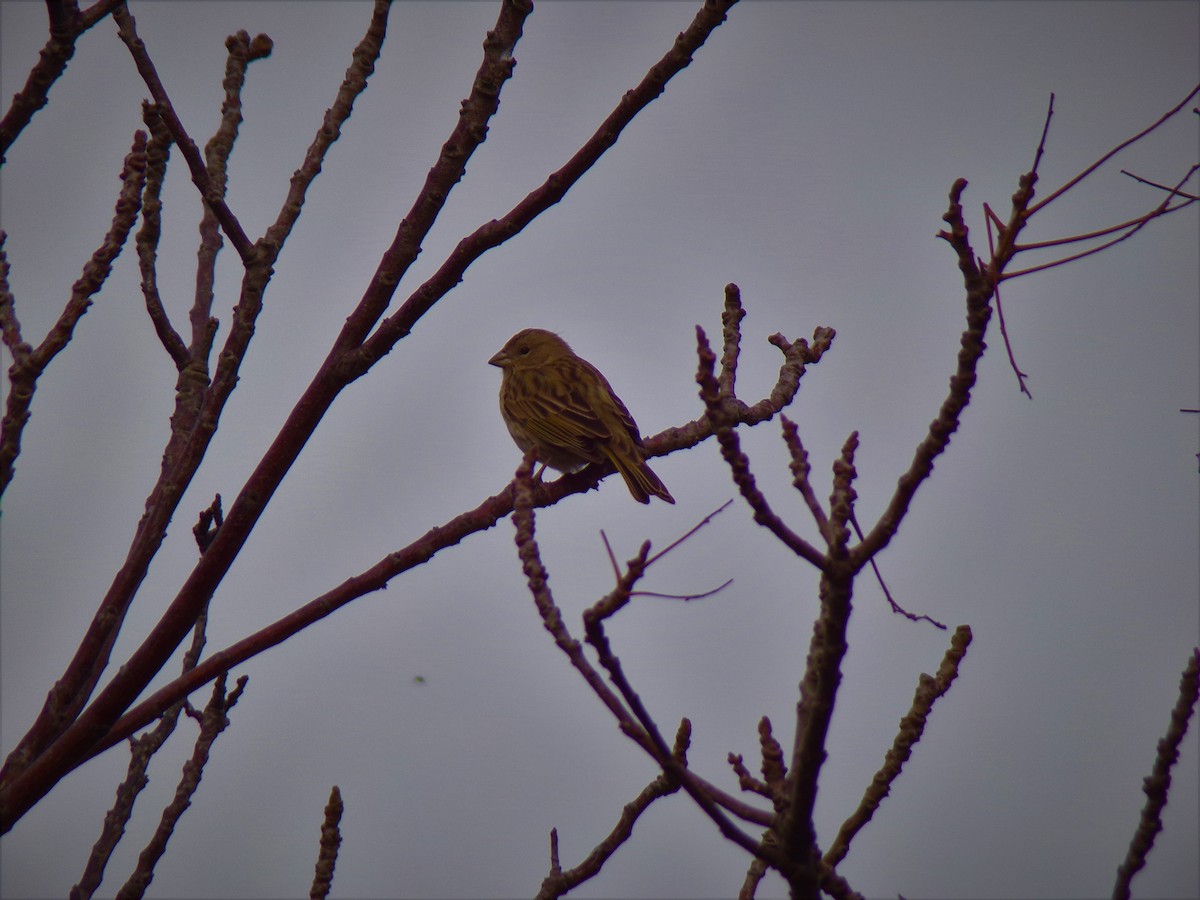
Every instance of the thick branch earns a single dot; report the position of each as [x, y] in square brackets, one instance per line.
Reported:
[197, 412]
[818, 690]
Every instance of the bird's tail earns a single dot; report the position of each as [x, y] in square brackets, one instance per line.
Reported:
[639, 478]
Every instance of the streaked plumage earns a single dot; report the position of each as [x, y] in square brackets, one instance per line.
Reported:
[561, 406]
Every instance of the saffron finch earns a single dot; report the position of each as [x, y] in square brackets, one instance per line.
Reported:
[563, 408]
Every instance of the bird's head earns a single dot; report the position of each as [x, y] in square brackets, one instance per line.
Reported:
[531, 348]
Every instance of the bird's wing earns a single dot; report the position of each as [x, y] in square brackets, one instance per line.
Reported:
[557, 412]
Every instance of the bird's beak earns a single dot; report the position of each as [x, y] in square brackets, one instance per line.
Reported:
[500, 359]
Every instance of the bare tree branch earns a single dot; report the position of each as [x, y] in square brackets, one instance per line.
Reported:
[29, 363]
[197, 412]
[1054, 195]
[1158, 784]
[555, 187]
[331, 839]
[214, 720]
[912, 727]
[67, 23]
[723, 413]
[210, 190]
[559, 882]
[979, 286]
[142, 751]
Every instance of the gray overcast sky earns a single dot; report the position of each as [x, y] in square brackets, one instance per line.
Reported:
[806, 154]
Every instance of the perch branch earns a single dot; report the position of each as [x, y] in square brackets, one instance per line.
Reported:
[482, 517]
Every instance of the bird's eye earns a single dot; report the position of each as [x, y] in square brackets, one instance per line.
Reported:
[524, 351]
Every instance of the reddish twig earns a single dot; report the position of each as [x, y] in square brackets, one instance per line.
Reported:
[1162, 187]
[800, 470]
[1054, 195]
[994, 221]
[1130, 229]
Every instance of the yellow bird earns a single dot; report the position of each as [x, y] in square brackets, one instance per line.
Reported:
[562, 407]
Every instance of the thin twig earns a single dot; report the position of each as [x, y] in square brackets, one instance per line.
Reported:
[1141, 222]
[1054, 195]
[994, 220]
[801, 469]
[731, 340]
[896, 607]
[1161, 187]
[700, 596]
[158, 151]
[687, 534]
